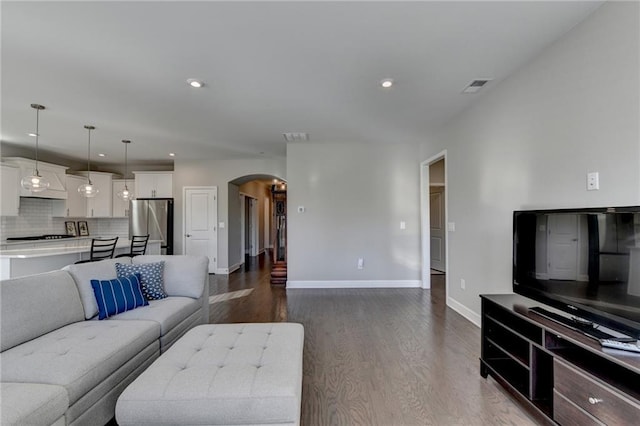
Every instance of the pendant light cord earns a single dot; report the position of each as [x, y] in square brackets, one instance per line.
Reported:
[37, 136]
[89, 157]
[125, 166]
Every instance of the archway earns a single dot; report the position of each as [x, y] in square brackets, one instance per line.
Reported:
[254, 226]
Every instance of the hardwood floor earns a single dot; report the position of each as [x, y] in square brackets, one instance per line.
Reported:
[376, 356]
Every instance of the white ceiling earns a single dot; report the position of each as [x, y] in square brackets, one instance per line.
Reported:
[269, 68]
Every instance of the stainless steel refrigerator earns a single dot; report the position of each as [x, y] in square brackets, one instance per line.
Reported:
[153, 216]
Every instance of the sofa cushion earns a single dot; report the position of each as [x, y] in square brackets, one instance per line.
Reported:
[183, 275]
[118, 295]
[32, 404]
[83, 273]
[34, 305]
[167, 312]
[151, 278]
[78, 356]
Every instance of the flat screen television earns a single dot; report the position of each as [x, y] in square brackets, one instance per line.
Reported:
[585, 262]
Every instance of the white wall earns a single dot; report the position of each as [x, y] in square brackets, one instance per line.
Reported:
[234, 231]
[530, 141]
[355, 196]
[217, 173]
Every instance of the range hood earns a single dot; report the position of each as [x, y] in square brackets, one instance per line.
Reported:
[53, 172]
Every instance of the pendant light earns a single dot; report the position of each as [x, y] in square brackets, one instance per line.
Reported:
[88, 189]
[35, 182]
[125, 194]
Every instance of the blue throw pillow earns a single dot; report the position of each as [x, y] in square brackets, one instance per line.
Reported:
[118, 295]
[151, 277]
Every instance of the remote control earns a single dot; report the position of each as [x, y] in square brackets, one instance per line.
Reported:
[625, 346]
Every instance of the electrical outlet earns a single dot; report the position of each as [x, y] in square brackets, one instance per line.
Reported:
[360, 263]
[593, 181]
[463, 283]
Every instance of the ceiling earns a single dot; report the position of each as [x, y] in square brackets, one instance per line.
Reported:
[268, 68]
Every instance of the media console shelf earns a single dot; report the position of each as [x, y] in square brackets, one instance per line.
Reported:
[558, 374]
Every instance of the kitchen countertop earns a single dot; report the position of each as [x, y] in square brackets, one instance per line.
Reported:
[60, 247]
[52, 241]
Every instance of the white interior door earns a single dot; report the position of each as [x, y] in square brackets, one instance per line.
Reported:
[438, 241]
[201, 219]
[562, 252]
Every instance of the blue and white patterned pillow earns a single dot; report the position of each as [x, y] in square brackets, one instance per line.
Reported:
[118, 295]
[151, 277]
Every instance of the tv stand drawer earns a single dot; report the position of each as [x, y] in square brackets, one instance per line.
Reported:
[594, 397]
[566, 413]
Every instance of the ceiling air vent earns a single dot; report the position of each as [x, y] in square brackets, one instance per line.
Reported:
[296, 136]
[476, 85]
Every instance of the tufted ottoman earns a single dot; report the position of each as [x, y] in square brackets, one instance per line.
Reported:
[221, 374]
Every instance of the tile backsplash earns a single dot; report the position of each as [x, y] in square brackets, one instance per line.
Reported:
[36, 218]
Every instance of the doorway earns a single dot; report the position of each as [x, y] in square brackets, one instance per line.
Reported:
[250, 226]
[434, 219]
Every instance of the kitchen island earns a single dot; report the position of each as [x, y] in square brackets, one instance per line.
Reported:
[17, 260]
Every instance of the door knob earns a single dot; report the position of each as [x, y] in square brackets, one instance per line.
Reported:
[187, 235]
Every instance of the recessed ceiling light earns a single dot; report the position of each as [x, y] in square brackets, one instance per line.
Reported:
[172, 154]
[102, 155]
[195, 83]
[386, 83]
[33, 135]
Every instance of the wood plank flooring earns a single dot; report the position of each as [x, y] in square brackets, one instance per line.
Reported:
[376, 356]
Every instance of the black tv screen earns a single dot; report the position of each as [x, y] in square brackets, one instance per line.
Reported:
[583, 261]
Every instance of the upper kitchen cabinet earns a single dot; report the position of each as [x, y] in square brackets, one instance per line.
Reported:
[10, 181]
[75, 205]
[52, 172]
[154, 184]
[121, 207]
[101, 204]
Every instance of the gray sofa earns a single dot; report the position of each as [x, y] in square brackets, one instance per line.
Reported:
[60, 365]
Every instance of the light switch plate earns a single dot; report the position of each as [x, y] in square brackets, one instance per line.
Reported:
[451, 226]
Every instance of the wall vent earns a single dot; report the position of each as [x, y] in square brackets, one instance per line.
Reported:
[476, 85]
[296, 136]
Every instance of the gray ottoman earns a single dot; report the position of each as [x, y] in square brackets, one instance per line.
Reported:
[222, 374]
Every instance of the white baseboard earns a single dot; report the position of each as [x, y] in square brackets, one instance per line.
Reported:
[356, 284]
[229, 270]
[464, 311]
[542, 276]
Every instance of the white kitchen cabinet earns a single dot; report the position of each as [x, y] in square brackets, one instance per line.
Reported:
[10, 181]
[154, 184]
[76, 204]
[102, 204]
[120, 207]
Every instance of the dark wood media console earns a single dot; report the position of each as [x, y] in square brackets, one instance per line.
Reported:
[558, 374]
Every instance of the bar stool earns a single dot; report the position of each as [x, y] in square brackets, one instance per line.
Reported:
[101, 248]
[138, 246]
